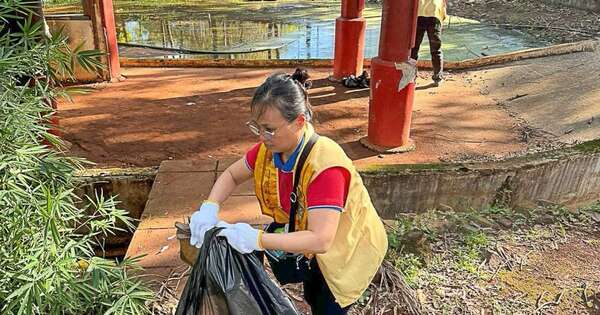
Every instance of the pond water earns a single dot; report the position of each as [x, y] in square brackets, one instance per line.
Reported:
[282, 29]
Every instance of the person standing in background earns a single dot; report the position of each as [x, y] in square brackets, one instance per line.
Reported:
[431, 15]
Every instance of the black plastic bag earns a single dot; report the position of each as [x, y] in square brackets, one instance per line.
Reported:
[223, 282]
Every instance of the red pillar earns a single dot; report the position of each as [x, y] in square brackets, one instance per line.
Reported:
[349, 40]
[105, 34]
[108, 20]
[391, 100]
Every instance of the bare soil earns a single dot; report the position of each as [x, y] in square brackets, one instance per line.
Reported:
[160, 114]
[539, 261]
[485, 114]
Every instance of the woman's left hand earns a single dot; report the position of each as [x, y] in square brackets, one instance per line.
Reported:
[241, 236]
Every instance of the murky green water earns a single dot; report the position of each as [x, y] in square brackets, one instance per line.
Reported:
[282, 29]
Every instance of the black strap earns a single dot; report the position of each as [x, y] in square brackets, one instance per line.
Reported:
[297, 174]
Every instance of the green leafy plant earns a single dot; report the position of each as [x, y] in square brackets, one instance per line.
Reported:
[47, 263]
[410, 266]
[468, 254]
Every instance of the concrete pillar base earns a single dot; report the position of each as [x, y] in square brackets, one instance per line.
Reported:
[410, 146]
[118, 79]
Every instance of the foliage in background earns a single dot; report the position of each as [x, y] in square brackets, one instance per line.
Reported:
[47, 263]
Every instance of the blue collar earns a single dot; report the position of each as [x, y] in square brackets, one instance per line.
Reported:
[288, 166]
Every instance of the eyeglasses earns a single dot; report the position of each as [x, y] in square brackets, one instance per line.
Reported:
[258, 130]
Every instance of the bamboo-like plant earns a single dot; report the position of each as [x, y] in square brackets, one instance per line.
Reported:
[47, 263]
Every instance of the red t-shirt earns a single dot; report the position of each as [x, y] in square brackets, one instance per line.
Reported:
[328, 190]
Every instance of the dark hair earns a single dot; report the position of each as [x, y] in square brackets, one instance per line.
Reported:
[287, 93]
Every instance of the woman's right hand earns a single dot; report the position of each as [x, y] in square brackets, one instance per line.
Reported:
[203, 220]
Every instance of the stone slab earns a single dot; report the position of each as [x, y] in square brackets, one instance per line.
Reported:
[177, 194]
[243, 209]
[160, 247]
[163, 222]
[185, 166]
[225, 163]
[245, 189]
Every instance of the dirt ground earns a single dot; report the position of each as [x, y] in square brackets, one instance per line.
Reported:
[487, 114]
[497, 261]
[160, 114]
[543, 261]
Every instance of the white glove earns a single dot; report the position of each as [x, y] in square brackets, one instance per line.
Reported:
[242, 237]
[203, 220]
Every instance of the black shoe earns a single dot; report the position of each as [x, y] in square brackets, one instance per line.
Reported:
[364, 80]
[350, 82]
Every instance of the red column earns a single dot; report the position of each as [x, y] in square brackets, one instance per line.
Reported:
[108, 21]
[349, 40]
[390, 105]
[105, 34]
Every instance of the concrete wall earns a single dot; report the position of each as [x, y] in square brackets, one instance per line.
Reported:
[78, 28]
[592, 5]
[571, 178]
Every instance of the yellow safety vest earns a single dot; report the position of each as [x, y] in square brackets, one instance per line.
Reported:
[435, 8]
[360, 242]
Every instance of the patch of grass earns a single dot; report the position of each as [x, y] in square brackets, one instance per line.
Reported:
[398, 168]
[394, 241]
[538, 233]
[476, 241]
[592, 208]
[465, 261]
[592, 146]
[496, 210]
[410, 266]
[468, 255]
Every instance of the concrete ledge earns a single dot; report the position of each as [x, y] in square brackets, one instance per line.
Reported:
[588, 45]
[67, 16]
[570, 176]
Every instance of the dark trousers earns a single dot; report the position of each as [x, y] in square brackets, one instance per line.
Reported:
[316, 291]
[433, 27]
[318, 295]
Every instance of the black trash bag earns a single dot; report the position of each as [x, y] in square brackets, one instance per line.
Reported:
[224, 282]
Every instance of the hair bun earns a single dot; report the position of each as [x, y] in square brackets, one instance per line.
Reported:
[301, 75]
